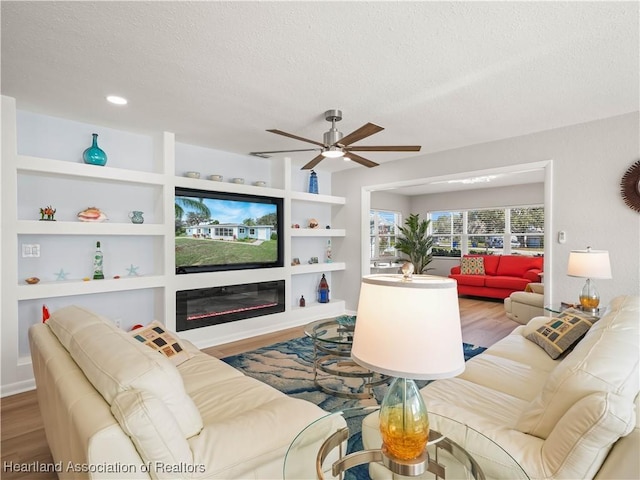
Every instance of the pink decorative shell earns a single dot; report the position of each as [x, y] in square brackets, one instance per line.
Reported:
[92, 214]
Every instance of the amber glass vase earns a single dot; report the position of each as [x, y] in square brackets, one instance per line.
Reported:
[404, 423]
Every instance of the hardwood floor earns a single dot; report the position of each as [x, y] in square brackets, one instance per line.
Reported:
[23, 440]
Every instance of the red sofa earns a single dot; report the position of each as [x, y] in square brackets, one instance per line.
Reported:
[504, 274]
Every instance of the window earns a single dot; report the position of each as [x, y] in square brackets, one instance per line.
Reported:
[383, 227]
[446, 229]
[485, 228]
[528, 226]
[518, 230]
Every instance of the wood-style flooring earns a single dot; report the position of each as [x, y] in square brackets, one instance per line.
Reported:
[23, 440]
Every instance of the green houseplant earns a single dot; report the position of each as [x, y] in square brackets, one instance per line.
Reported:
[415, 242]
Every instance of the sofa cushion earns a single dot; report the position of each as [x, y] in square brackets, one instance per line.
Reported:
[520, 380]
[605, 360]
[156, 337]
[472, 266]
[560, 333]
[153, 430]
[491, 263]
[580, 442]
[244, 404]
[473, 280]
[512, 283]
[516, 347]
[113, 362]
[518, 265]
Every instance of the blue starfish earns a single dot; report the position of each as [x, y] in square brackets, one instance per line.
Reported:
[132, 271]
[61, 275]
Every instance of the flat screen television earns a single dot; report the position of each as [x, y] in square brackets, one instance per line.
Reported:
[227, 231]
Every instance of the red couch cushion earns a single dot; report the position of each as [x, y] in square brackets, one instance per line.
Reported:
[506, 282]
[516, 265]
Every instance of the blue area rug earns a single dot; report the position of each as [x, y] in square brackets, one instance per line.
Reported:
[288, 366]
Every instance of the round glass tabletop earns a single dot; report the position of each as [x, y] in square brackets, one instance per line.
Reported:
[337, 330]
[458, 451]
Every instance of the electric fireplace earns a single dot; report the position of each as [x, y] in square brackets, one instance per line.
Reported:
[203, 307]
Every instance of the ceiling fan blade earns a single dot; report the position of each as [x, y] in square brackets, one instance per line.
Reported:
[313, 163]
[361, 160]
[286, 151]
[386, 148]
[362, 132]
[290, 135]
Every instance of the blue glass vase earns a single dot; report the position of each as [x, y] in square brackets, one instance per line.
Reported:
[94, 155]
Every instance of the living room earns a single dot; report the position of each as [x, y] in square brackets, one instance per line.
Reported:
[574, 120]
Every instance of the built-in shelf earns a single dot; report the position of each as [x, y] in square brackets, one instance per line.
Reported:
[229, 187]
[317, 268]
[318, 232]
[316, 198]
[151, 191]
[35, 227]
[314, 309]
[79, 287]
[59, 168]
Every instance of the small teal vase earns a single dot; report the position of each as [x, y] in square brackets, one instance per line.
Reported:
[94, 155]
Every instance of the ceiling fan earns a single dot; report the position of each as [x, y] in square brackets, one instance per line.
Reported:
[335, 145]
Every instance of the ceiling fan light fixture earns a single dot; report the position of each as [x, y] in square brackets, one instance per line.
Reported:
[332, 152]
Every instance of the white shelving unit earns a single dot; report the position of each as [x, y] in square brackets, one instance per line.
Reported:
[30, 182]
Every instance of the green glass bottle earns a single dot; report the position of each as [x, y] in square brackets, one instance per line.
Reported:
[98, 274]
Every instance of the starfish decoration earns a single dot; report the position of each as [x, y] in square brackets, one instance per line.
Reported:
[132, 271]
[61, 275]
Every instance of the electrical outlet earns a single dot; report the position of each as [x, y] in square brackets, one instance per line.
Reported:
[30, 250]
[118, 322]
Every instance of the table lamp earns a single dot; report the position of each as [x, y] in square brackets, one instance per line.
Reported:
[407, 327]
[589, 264]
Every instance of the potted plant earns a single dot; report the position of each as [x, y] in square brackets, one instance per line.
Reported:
[415, 242]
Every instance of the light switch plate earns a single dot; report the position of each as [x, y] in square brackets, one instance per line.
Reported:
[30, 250]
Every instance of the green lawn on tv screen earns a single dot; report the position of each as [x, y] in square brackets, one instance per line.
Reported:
[198, 251]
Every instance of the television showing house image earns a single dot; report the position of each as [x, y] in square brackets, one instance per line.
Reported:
[227, 231]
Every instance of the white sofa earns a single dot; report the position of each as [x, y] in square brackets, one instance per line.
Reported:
[114, 408]
[523, 306]
[575, 417]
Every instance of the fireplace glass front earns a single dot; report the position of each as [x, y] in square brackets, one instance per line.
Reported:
[203, 307]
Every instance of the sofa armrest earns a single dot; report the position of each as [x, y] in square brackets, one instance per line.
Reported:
[533, 275]
[455, 270]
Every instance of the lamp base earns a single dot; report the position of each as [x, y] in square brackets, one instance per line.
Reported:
[408, 468]
[589, 297]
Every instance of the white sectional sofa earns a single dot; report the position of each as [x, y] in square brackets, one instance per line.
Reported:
[575, 417]
[114, 408]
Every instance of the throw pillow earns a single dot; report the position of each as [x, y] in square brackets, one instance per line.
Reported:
[562, 332]
[158, 338]
[472, 266]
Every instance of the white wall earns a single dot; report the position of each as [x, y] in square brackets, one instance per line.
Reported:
[588, 162]
[512, 196]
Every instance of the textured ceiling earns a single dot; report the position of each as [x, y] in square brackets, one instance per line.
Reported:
[218, 74]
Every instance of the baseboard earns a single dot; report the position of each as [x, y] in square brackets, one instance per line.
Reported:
[18, 387]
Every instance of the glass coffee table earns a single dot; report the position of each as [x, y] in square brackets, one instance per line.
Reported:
[456, 451]
[334, 372]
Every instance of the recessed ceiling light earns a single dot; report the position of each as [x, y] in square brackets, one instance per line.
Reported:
[116, 100]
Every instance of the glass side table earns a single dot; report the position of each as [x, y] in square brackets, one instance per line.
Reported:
[332, 341]
[458, 451]
[562, 306]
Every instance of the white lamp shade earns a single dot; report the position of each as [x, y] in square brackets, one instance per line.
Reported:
[589, 264]
[409, 329]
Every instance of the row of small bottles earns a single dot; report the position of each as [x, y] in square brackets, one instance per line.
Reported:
[323, 292]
